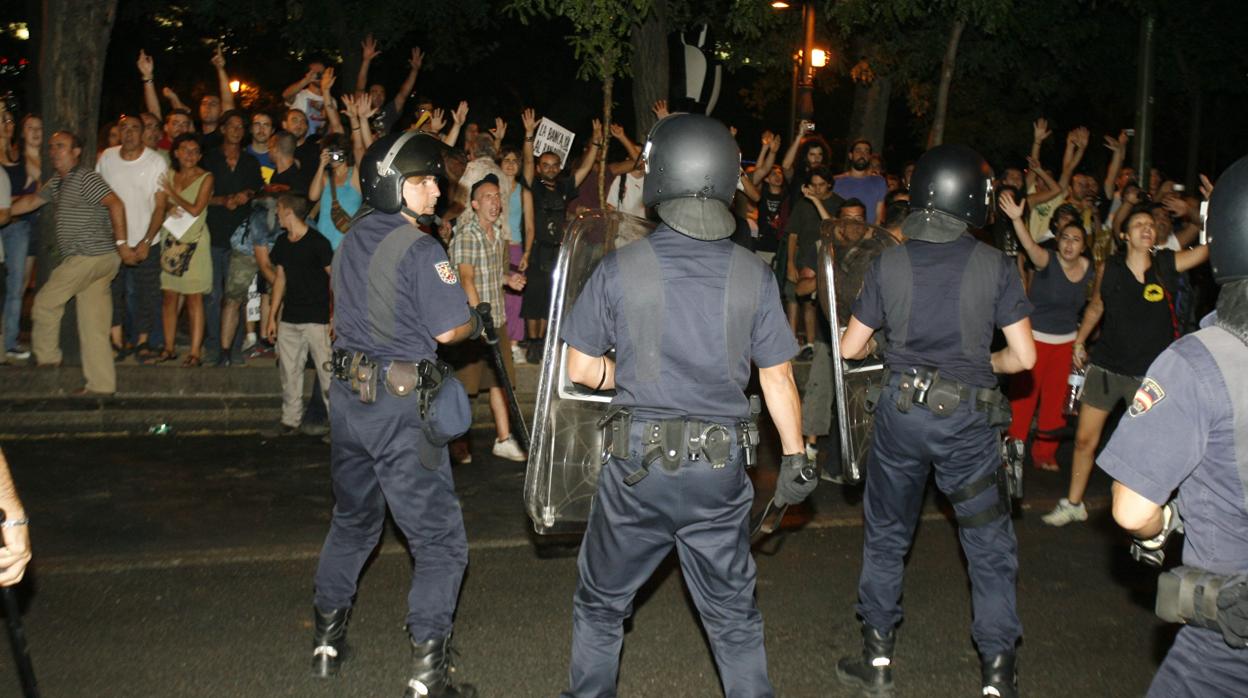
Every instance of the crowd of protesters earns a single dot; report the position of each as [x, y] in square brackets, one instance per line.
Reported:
[205, 238]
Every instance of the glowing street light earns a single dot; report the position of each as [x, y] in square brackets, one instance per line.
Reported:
[235, 86]
[780, 5]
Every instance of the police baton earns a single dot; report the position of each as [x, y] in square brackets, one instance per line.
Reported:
[763, 522]
[500, 369]
[17, 639]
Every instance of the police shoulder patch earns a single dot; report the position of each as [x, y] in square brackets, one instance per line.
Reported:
[446, 273]
[1149, 394]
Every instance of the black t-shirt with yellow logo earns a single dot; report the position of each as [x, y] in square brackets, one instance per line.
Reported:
[1139, 320]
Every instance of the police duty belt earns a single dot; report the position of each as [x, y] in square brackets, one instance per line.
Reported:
[673, 441]
[401, 378]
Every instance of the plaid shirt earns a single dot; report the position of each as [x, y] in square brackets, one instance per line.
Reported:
[489, 260]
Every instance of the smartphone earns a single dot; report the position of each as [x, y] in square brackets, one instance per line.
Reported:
[810, 126]
[1130, 132]
[1180, 188]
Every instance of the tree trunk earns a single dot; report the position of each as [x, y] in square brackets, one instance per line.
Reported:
[608, 87]
[870, 114]
[651, 72]
[71, 66]
[937, 135]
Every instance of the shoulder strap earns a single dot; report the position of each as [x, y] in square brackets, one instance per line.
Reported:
[643, 305]
[1229, 354]
[383, 281]
[897, 288]
[745, 281]
[978, 297]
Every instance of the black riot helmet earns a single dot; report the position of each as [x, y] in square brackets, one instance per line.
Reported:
[1227, 224]
[391, 160]
[951, 188]
[692, 165]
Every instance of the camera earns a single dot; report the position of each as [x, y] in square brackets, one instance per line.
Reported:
[337, 155]
[11, 103]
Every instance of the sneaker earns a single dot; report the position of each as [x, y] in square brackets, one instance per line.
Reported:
[260, 351]
[18, 353]
[510, 449]
[517, 354]
[1065, 513]
[281, 430]
[807, 353]
[314, 428]
[533, 353]
[223, 359]
[812, 453]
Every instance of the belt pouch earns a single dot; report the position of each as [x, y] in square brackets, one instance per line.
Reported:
[673, 444]
[365, 376]
[943, 397]
[401, 378]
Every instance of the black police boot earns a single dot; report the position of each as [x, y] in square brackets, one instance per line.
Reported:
[1000, 675]
[431, 672]
[329, 641]
[873, 671]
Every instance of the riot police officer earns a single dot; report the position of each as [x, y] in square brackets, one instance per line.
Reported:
[395, 298]
[686, 311]
[1187, 429]
[936, 300]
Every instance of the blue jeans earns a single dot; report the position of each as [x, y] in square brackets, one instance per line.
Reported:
[16, 238]
[136, 301]
[212, 304]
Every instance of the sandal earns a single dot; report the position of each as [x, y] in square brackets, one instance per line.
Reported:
[192, 361]
[120, 353]
[162, 357]
[143, 353]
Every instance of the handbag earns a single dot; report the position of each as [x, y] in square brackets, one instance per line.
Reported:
[175, 256]
[340, 218]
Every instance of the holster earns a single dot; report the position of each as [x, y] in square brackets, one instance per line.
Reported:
[923, 386]
[357, 369]
[670, 442]
[1206, 600]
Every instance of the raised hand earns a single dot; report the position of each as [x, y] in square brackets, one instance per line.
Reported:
[146, 65]
[1206, 187]
[499, 130]
[327, 81]
[369, 48]
[1034, 165]
[168, 93]
[460, 115]
[529, 119]
[660, 109]
[1040, 130]
[617, 132]
[1079, 137]
[597, 131]
[218, 58]
[417, 59]
[437, 120]
[1176, 204]
[768, 138]
[1010, 207]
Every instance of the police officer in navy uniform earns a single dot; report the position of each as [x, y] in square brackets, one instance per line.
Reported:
[396, 298]
[686, 311]
[1187, 430]
[936, 300]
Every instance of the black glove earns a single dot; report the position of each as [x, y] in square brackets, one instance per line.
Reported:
[476, 322]
[796, 481]
[1152, 551]
[487, 322]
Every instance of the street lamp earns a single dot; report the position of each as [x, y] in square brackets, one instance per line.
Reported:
[803, 79]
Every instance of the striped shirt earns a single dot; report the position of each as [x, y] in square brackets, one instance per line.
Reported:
[83, 227]
[489, 260]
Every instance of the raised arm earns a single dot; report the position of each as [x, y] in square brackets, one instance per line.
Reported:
[147, 71]
[368, 51]
[591, 155]
[1118, 146]
[1039, 134]
[223, 79]
[331, 105]
[409, 82]
[1051, 189]
[175, 102]
[293, 89]
[1014, 210]
[1076, 146]
[766, 158]
[529, 120]
[790, 155]
[458, 118]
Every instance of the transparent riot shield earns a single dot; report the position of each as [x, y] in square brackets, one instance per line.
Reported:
[565, 455]
[846, 249]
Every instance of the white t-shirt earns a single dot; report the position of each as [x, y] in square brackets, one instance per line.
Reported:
[313, 106]
[135, 182]
[631, 202]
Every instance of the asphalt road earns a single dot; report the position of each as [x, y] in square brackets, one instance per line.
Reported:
[183, 567]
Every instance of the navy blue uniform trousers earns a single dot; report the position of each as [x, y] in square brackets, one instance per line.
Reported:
[963, 448]
[374, 463]
[1199, 664]
[704, 513]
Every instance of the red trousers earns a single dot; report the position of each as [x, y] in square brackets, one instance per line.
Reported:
[1046, 384]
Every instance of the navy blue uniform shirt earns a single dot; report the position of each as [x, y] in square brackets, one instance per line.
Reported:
[1179, 434]
[417, 287]
[697, 377]
[934, 337]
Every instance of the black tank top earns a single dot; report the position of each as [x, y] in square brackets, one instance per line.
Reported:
[1139, 320]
